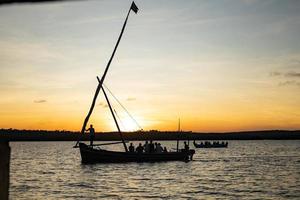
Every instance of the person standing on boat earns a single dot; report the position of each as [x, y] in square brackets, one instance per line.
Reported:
[92, 134]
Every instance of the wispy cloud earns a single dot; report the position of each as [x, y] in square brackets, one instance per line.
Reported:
[104, 105]
[293, 74]
[286, 74]
[40, 101]
[130, 99]
[287, 83]
[90, 20]
[287, 78]
[275, 74]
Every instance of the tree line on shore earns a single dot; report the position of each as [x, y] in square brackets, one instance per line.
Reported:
[62, 135]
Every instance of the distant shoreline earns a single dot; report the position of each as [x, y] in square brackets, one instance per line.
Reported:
[43, 135]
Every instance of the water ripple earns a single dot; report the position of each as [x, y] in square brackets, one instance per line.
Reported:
[245, 170]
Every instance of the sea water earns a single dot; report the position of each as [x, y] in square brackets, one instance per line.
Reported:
[266, 169]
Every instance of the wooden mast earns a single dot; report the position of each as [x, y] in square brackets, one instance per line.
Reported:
[103, 77]
[177, 147]
[116, 122]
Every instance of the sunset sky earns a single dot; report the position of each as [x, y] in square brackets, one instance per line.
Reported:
[216, 65]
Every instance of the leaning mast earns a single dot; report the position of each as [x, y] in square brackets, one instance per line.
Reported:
[134, 8]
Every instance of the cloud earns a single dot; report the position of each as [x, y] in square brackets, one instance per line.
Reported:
[104, 105]
[130, 99]
[293, 74]
[287, 83]
[275, 74]
[290, 78]
[40, 101]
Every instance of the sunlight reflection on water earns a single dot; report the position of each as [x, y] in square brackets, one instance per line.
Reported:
[245, 170]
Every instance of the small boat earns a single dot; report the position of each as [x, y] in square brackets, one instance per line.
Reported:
[94, 154]
[211, 145]
[91, 155]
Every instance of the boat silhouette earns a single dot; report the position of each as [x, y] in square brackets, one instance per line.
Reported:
[93, 154]
[211, 145]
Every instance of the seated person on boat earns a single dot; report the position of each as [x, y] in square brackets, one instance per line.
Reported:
[140, 148]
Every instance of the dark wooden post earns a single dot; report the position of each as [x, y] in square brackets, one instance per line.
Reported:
[178, 134]
[4, 169]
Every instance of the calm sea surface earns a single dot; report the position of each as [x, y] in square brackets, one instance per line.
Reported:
[245, 170]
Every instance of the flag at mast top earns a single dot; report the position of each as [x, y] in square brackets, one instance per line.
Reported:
[134, 8]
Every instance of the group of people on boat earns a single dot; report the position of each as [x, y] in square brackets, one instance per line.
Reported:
[214, 143]
[209, 144]
[148, 147]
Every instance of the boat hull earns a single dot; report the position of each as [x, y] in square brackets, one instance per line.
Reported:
[91, 155]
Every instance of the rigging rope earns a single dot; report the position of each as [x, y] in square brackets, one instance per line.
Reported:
[119, 119]
[122, 106]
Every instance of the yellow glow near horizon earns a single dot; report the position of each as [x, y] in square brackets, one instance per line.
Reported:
[129, 124]
[236, 68]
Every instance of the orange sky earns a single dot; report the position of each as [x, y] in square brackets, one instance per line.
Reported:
[218, 66]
